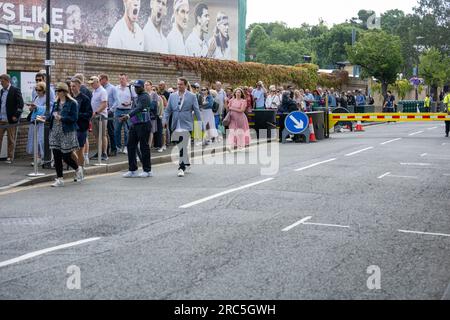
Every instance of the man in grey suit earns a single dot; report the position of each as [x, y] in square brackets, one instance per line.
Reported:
[180, 106]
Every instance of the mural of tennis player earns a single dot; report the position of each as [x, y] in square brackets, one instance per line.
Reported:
[127, 34]
[196, 43]
[180, 19]
[219, 45]
[155, 41]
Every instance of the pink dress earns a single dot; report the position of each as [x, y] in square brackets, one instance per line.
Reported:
[239, 133]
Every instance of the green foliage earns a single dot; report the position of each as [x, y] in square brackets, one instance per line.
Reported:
[303, 76]
[434, 68]
[402, 87]
[379, 55]
[327, 45]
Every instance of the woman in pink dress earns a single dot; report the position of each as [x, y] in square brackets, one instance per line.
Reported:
[239, 130]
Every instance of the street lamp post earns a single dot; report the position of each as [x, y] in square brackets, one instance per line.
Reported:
[417, 66]
[47, 155]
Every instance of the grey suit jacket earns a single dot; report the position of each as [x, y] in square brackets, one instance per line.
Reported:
[184, 116]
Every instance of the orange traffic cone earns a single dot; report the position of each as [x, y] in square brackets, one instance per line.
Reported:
[359, 127]
[312, 134]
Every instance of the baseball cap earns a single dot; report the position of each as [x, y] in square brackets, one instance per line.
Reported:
[196, 85]
[93, 79]
[139, 83]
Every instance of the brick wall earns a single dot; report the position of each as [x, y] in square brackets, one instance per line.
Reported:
[29, 56]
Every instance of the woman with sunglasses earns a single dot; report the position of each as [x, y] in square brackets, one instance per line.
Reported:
[63, 133]
[36, 117]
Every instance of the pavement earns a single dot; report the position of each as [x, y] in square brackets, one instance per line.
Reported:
[359, 216]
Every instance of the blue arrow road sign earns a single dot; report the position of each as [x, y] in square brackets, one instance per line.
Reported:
[296, 122]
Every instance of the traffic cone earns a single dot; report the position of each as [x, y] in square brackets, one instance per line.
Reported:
[312, 134]
[359, 127]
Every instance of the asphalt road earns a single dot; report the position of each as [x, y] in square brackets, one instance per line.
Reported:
[312, 230]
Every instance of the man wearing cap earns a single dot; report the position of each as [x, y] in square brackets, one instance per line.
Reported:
[176, 36]
[155, 41]
[127, 34]
[139, 133]
[196, 43]
[99, 103]
[180, 106]
[219, 46]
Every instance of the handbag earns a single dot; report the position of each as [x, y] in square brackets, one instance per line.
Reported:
[227, 120]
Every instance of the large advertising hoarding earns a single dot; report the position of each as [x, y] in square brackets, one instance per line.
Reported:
[200, 28]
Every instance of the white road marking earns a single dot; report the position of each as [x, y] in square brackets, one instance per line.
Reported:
[415, 133]
[384, 175]
[433, 128]
[315, 164]
[415, 164]
[426, 233]
[192, 204]
[402, 177]
[45, 251]
[326, 225]
[359, 151]
[423, 155]
[296, 224]
[390, 141]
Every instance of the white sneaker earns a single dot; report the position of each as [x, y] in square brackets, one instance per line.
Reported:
[160, 150]
[131, 174]
[8, 161]
[180, 173]
[86, 160]
[125, 150]
[58, 183]
[146, 175]
[79, 175]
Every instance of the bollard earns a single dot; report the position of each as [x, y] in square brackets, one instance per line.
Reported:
[100, 143]
[35, 151]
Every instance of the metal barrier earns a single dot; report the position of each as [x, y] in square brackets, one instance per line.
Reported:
[35, 152]
[387, 117]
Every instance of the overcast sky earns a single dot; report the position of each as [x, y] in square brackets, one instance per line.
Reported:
[296, 12]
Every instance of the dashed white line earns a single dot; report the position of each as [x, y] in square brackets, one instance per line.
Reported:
[433, 128]
[326, 225]
[292, 226]
[415, 133]
[45, 251]
[402, 177]
[425, 233]
[423, 155]
[384, 175]
[192, 204]
[315, 164]
[359, 151]
[415, 164]
[390, 141]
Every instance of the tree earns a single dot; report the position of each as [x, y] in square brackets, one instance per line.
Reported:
[435, 69]
[435, 23]
[256, 37]
[379, 55]
[331, 45]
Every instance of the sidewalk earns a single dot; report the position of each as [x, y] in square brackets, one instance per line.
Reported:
[16, 174]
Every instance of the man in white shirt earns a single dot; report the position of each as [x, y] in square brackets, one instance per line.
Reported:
[175, 38]
[99, 103]
[126, 34]
[196, 43]
[219, 45]
[155, 41]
